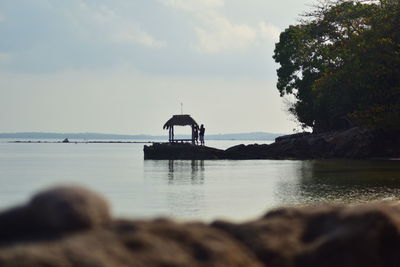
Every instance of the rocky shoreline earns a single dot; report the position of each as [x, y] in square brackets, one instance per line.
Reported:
[72, 226]
[354, 143]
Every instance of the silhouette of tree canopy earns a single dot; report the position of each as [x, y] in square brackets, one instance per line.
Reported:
[342, 65]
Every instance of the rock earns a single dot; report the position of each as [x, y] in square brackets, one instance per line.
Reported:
[101, 241]
[181, 151]
[365, 235]
[355, 143]
[135, 243]
[69, 208]
[53, 212]
[167, 243]
[354, 236]
[291, 136]
[254, 151]
[349, 236]
[276, 240]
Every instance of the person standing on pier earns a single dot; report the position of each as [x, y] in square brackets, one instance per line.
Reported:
[202, 131]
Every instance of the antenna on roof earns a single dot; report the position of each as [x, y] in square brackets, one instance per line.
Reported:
[181, 108]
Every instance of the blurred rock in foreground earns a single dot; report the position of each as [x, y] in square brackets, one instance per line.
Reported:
[72, 226]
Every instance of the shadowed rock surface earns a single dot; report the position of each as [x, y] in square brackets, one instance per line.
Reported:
[355, 143]
[80, 232]
[54, 212]
[181, 151]
[351, 143]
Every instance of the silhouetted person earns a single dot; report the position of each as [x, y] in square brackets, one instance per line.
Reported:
[202, 130]
[196, 134]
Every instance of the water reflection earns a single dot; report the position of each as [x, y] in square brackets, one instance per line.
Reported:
[241, 189]
[179, 171]
[181, 184]
[341, 181]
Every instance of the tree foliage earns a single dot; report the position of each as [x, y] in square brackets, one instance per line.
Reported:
[342, 64]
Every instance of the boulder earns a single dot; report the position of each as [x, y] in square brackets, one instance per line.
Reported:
[348, 236]
[254, 151]
[71, 226]
[53, 212]
[325, 235]
[67, 208]
[354, 143]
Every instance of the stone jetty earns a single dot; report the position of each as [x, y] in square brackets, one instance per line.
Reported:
[354, 143]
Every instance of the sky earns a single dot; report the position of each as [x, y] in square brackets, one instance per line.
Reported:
[125, 66]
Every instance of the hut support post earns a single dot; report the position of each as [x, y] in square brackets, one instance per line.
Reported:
[172, 134]
[192, 134]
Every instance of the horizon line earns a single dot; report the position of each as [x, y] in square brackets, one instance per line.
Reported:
[72, 133]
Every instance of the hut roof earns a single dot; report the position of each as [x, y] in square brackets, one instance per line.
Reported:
[180, 120]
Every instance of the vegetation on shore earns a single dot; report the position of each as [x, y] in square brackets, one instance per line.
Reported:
[342, 65]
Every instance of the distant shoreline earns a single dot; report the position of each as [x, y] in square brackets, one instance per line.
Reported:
[81, 142]
[254, 136]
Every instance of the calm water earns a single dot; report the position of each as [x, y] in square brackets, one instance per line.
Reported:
[190, 189]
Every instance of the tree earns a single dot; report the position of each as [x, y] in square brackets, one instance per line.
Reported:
[342, 64]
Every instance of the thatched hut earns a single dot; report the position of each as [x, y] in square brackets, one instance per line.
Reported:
[180, 120]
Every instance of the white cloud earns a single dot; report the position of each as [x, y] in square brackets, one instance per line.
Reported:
[101, 23]
[194, 5]
[217, 33]
[220, 35]
[269, 31]
[134, 35]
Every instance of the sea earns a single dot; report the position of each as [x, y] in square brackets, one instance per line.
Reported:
[187, 190]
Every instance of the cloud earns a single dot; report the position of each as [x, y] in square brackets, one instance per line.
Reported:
[220, 34]
[191, 37]
[193, 5]
[131, 34]
[269, 31]
[216, 32]
[101, 23]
